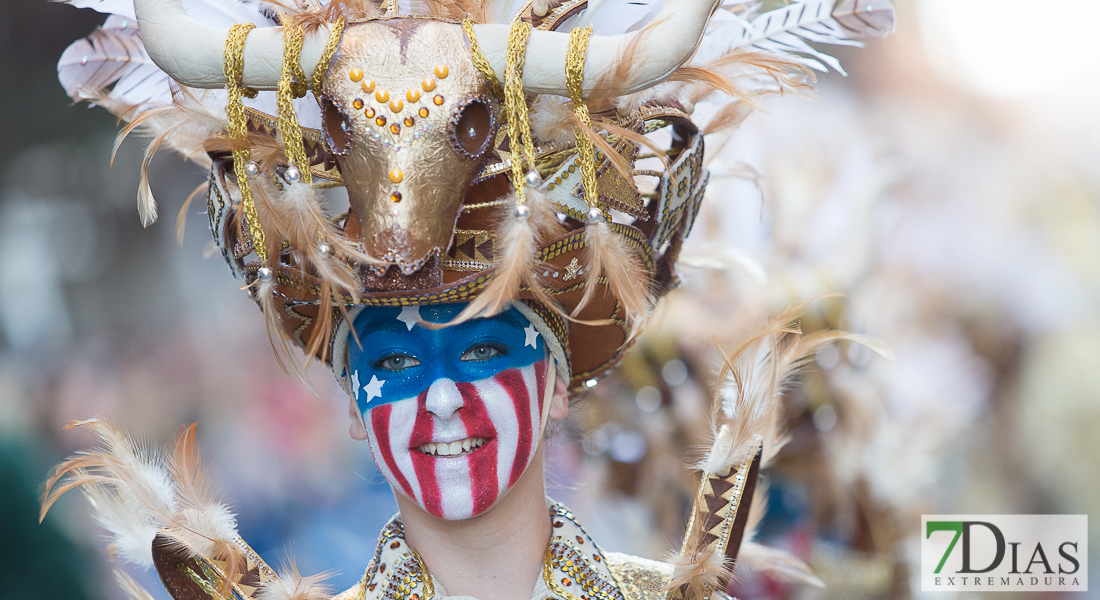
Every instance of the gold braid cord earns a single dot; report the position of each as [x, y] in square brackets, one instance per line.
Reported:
[237, 125]
[574, 80]
[286, 91]
[479, 59]
[319, 71]
[515, 107]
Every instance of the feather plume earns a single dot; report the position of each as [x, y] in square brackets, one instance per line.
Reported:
[133, 589]
[602, 146]
[352, 10]
[113, 55]
[607, 255]
[699, 569]
[184, 126]
[766, 559]
[516, 267]
[181, 215]
[137, 493]
[551, 120]
[789, 30]
[290, 585]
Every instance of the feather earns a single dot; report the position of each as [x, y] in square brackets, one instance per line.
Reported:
[352, 10]
[132, 492]
[551, 120]
[698, 570]
[766, 559]
[113, 55]
[789, 30]
[602, 146]
[181, 215]
[751, 381]
[133, 589]
[290, 585]
[607, 255]
[185, 126]
[515, 260]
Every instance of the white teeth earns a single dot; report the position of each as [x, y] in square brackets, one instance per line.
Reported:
[455, 448]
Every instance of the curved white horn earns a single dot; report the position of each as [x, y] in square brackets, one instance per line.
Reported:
[668, 44]
[192, 53]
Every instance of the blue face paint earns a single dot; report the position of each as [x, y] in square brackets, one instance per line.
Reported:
[397, 358]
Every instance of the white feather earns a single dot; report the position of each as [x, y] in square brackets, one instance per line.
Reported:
[788, 30]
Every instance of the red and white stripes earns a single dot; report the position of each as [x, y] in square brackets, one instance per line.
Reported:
[504, 410]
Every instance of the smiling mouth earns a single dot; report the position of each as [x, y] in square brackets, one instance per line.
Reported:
[449, 449]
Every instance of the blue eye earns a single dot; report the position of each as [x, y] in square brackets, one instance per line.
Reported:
[481, 352]
[397, 362]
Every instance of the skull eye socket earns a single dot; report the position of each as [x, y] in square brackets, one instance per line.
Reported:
[472, 127]
[337, 127]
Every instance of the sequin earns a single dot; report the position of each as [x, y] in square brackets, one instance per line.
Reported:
[357, 103]
[423, 112]
[438, 100]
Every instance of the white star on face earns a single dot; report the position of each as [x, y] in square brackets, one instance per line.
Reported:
[529, 336]
[374, 388]
[355, 384]
[409, 316]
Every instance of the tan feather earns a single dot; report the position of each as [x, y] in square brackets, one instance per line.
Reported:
[766, 559]
[621, 164]
[516, 265]
[290, 585]
[551, 120]
[729, 116]
[700, 570]
[133, 589]
[352, 10]
[181, 214]
[607, 255]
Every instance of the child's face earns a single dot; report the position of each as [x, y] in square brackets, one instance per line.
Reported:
[453, 415]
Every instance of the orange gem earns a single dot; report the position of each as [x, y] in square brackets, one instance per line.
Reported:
[370, 113]
[357, 103]
[409, 121]
[396, 105]
[423, 113]
[395, 197]
[413, 95]
[438, 100]
[356, 74]
[396, 176]
[382, 95]
[368, 85]
[442, 71]
[380, 121]
[395, 129]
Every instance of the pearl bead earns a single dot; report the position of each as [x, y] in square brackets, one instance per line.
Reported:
[396, 176]
[522, 212]
[324, 250]
[595, 215]
[265, 274]
[533, 179]
[252, 169]
[293, 175]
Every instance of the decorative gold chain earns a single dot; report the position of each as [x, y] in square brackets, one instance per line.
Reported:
[286, 91]
[429, 587]
[236, 124]
[515, 106]
[574, 80]
[479, 59]
[319, 71]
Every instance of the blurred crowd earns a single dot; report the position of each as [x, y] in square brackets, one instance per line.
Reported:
[952, 217]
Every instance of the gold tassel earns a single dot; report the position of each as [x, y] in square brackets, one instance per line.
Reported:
[533, 217]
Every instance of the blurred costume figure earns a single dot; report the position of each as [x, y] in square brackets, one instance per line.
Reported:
[467, 209]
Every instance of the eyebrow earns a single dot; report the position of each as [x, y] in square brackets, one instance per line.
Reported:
[383, 325]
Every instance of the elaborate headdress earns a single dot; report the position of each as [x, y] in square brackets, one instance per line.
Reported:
[482, 162]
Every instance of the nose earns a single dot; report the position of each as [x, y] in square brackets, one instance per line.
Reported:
[443, 399]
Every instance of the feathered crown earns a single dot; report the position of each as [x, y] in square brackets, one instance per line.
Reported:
[366, 153]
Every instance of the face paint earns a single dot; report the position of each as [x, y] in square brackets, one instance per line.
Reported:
[453, 415]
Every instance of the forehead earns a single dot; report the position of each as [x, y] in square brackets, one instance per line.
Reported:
[392, 319]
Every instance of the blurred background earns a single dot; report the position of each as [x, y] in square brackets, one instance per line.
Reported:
[947, 187]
